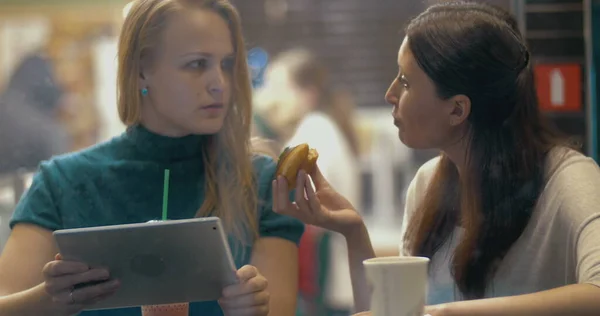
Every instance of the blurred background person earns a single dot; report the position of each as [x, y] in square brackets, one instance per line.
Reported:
[326, 120]
[301, 104]
[278, 108]
[29, 129]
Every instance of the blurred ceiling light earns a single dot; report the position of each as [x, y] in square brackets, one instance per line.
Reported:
[127, 8]
[276, 11]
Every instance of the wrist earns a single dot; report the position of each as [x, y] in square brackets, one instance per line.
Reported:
[356, 233]
[43, 302]
[345, 222]
[33, 301]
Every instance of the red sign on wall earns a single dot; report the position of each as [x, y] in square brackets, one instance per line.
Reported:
[559, 87]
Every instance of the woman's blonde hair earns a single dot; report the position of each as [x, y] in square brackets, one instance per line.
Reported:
[230, 190]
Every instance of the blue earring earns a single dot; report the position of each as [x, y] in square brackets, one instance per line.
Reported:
[144, 92]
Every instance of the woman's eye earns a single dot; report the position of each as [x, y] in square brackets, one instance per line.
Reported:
[198, 64]
[403, 81]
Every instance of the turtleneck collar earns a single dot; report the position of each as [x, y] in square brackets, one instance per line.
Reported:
[165, 148]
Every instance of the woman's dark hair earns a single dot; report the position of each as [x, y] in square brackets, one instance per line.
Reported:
[476, 50]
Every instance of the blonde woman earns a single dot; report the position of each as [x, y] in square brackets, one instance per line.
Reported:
[184, 94]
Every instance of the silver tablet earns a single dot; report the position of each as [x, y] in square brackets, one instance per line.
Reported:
[158, 262]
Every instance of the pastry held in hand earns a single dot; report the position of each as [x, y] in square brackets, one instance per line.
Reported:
[294, 159]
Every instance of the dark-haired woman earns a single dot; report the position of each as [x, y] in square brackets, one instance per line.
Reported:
[508, 213]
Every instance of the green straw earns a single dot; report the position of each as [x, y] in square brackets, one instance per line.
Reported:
[165, 194]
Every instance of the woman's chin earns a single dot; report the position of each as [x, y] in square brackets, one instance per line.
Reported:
[403, 139]
[411, 143]
[207, 127]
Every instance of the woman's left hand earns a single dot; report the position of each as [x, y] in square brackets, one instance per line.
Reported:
[247, 298]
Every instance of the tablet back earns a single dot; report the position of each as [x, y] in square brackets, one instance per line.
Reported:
[156, 263]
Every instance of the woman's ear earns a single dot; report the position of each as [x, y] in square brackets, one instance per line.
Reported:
[144, 75]
[460, 108]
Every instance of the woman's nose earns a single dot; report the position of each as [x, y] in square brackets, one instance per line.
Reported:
[214, 89]
[217, 84]
[391, 97]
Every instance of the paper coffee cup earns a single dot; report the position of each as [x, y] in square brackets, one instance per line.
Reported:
[398, 284]
[181, 309]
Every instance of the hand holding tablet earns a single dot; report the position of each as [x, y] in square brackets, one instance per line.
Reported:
[250, 294]
[62, 280]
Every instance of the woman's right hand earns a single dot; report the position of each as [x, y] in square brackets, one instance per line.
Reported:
[61, 280]
[323, 207]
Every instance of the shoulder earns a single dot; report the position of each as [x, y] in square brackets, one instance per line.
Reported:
[316, 123]
[318, 118]
[570, 201]
[418, 186]
[416, 193]
[423, 177]
[86, 161]
[56, 180]
[572, 181]
[568, 171]
[561, 161]
[263, 165]
[264, 171]
[322, 133]
[272, 224]
[59, 187]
